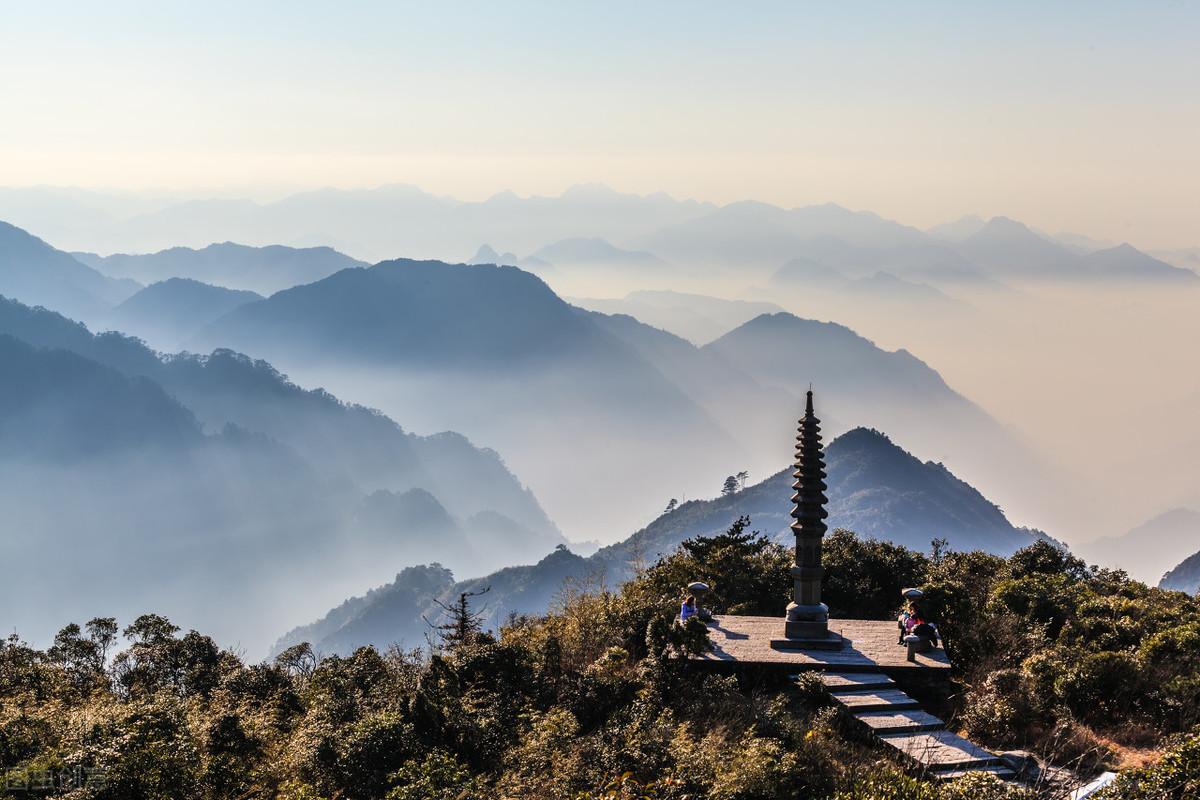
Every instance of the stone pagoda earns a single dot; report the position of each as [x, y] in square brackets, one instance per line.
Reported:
[807, 622]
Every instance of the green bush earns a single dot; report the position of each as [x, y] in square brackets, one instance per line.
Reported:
[436, 776]
[864, 577]
[1102, 686]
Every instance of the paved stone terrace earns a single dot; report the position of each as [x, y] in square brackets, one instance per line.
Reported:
[859, 678]
[872, 647]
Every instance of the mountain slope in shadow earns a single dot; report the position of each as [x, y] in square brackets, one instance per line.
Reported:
[36, 273]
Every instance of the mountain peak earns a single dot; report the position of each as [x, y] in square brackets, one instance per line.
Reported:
[864, 438]
[504, 196]
[486, 254]
[1125, 261]
[787, 321]
[1006, 226]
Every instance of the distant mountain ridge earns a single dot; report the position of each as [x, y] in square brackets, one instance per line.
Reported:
[38, 274]
[264, 270]
[380, 223]
[582, 250]
[875, 488]
[697, 318]
[1150, 549]
[1006, 247]
[808, 275]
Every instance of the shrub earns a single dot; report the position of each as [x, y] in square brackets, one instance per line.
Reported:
[863, 577]
[1102, 686]
[757, 769]
[1176, 776]
[370, 750]
[437, 776]
[1001, 710]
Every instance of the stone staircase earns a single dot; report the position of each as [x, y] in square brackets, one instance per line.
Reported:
[918, 738]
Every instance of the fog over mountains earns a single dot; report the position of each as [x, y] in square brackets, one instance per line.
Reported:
[168, 313]
[680, 356]
[697, 318]
[258, 269]
[187, 473]
[875, 488]
[1152, 548]
[496, 351]
[588, 225]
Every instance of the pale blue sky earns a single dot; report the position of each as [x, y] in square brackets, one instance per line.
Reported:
[1080, 116]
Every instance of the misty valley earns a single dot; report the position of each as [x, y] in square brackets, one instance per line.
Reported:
[320, 461]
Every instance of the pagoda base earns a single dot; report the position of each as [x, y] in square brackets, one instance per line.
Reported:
[830, 641]
[801, 634]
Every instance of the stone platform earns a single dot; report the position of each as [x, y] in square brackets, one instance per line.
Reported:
[870, 647]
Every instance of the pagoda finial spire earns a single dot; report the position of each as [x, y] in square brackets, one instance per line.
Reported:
[807, 616]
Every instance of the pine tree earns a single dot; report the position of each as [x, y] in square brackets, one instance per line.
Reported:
[462, 626]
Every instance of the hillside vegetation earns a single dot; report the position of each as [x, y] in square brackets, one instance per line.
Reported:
[594, 700]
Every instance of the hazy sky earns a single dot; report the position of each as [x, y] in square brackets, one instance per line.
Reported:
[1072, 116]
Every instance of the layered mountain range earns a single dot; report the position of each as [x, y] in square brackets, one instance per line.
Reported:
[215, 485]
[584, 404]
[264, 270]
[586, 226]
[492, 351]
[495, 353]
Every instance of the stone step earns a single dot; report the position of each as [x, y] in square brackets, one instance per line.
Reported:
[880, 700]
[910, 721]
[841, 682]
[941, 751]
[1003, 773]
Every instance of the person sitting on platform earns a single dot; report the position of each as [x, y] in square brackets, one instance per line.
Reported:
[688, 609]
[913, 625]
[906, 614]
[912, 622]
